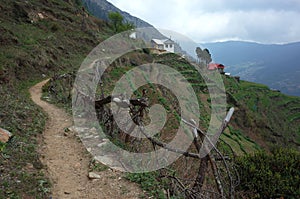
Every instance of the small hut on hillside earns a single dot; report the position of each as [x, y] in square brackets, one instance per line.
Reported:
[216, 66]
[163, 44]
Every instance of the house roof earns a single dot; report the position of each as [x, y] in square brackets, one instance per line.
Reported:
[162, 41]
[220, 66]
[214, 66]
[158, 41]
[168, 41]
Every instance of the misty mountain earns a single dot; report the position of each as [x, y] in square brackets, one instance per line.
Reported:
[277, 66]
[101, 8]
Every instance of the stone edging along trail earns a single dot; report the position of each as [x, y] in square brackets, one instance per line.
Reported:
[67, 161]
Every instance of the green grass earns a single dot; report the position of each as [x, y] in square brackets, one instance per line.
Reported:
[270, 175]
[239, 143]
[251, 85]
[149, 182]
[270, 113]
[97, 166]
[54, 45]
[26, 122]
[294, 117]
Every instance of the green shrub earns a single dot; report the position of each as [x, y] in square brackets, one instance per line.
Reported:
[272, 175]
[146, 50]
[2, 146]
[149, 182]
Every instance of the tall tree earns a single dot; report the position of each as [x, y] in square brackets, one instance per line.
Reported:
[199, 52]
[204, 55]
[116, 20]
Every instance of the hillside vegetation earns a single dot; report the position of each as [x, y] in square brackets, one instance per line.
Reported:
[264, 121]
[39, 38]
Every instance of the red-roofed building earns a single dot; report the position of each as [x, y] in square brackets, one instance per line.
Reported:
[216, 66]
[212, 66]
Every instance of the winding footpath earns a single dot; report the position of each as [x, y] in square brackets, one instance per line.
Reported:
[67, 161]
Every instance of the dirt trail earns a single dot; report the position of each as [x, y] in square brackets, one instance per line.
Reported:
[67, 161]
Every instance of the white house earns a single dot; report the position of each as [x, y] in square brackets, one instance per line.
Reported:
[133, 35]
[163, 44]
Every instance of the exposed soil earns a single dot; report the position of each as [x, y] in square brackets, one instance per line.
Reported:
[67, 161]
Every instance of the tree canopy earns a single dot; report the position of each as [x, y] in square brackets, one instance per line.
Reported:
[203, 55]
[117, 21]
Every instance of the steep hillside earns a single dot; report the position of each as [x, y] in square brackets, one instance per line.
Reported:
[263, 120]
[268, 117]
[44, 36]
[265, 116]
[38, 38]
[101, 8]
[274, 65]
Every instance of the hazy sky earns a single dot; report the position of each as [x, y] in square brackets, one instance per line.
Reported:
[263, 21]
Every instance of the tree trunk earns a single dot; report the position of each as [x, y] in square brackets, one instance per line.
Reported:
[201, 174]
